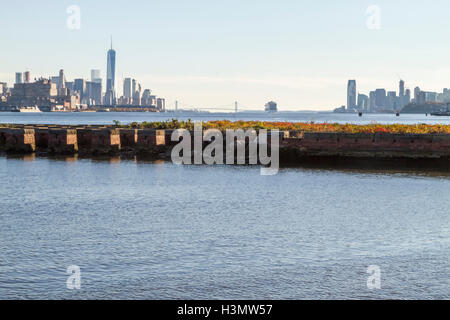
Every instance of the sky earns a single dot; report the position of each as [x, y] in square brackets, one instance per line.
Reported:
[208, 54]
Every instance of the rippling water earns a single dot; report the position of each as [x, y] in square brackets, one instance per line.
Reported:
[146, 230]
[127, 117]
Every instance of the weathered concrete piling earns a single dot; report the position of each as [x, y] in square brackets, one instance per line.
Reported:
[377, 145]
[151, 141]
[293, 145]
[98, 140]
[20, 140]
[62, 141]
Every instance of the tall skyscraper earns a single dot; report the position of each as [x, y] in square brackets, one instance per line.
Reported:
[62, 80]
[19, 77]
[111, 75]
[401, 93]
[351, 95]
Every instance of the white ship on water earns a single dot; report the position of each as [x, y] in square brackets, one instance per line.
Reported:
[271, 106]
[29, 109]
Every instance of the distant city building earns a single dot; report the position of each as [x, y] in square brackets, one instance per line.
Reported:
[407, 98]
[431, 96]
[351, 95]
[4, 88]
[42, 93]
[391, 101]
[401, 94]
[62, 80]
[27, 77]
[69, 85]
[444, 97]
[363, 102]
[137, 95]
[79, 86]
[372, 101]
[127, 93]
[147, 98]
[380, 98]
[95, 75]
[422, 97]
[19, 77]
[416, 94]
[161, 104]
[93, 93]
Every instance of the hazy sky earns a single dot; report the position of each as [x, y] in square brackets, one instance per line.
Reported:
[211, 53]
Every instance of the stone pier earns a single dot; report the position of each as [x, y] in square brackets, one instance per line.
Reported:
[294, 145]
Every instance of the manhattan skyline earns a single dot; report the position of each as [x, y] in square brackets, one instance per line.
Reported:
[211, 53]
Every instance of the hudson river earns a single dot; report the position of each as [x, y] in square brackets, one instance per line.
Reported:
[154, 230]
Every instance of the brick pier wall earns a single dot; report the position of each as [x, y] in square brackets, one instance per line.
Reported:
[107, 140]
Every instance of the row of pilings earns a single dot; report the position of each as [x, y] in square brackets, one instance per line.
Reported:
[97, 140]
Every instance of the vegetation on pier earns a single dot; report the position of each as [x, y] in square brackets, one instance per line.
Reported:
[295, 126]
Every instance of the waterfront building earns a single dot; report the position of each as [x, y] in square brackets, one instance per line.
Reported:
[161, 104]
[351, 95]
[380, 98]
[42, 93]
[19, 77]
[363, 103]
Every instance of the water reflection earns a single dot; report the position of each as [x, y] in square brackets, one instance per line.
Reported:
[411, 167]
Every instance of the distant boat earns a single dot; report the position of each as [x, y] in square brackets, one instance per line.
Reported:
[441, 113]
[30, 109]
[271, 106]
